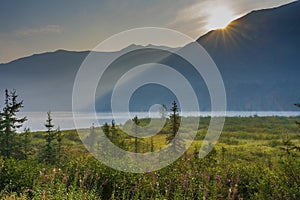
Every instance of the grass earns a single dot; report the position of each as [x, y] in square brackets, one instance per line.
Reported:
[248, 162]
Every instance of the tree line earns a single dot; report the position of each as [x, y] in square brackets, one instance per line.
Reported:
[18, 145]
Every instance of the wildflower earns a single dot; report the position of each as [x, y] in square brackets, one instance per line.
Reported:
[184, 184]
[134, 188]
[167, 191]
[208, 177]
[65, 179]
[86, 174]
[228, 182]
[29, 193]
[218, 178]
[44, 195]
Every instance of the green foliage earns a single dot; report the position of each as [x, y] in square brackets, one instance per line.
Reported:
[26, 141]
[51, 151]
[17, 175]
[9, 123]
[135, 129]
[255, 158]
[177, 142]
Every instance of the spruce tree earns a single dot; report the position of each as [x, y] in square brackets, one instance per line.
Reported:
[135, 129]
[48, 154]
[113, 131]
[177, 143]
[106, 131]
[9, 123]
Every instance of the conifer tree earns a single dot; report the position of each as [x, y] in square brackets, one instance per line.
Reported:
[117, 138]
[113, 131]
[9, 123]
[48, 154]
[106, 131]
[135, 128]
[177, 143]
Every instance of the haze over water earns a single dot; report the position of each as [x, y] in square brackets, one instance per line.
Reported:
[64, 120]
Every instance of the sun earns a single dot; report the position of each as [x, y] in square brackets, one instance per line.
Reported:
[219, 18]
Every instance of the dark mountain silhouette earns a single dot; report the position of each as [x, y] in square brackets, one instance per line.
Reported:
[257, 55]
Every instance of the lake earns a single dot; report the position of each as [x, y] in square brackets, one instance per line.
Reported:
[64, 120]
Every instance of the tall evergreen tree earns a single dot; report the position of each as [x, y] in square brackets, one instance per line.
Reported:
[48, 154]
[113, 131]
[135, 129]
[106, 131]
[9, 123]
[115, 136]
[178, 144]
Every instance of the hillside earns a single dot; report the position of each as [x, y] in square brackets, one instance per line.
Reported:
[258, 56]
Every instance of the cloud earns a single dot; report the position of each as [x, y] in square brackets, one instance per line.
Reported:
[56, 29]
[192, 19]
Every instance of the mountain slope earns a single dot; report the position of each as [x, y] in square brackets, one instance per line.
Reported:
[259, 58]
[257, 55]
[44, 81]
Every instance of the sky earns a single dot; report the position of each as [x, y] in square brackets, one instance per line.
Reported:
[36, 26]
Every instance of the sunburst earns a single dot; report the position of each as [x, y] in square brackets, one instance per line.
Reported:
[219, 18]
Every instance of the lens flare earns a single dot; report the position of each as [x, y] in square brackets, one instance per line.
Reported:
[219, 18]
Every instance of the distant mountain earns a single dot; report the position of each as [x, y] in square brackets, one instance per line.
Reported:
[44, 80]
[257, 55]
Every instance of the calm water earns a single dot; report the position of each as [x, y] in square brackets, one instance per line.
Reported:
[64, 120]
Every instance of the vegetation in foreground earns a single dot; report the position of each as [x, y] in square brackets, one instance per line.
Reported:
[255, 158]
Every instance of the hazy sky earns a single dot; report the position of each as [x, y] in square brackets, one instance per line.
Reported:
[35, 26]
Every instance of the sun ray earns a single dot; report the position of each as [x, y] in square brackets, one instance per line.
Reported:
[219, 18]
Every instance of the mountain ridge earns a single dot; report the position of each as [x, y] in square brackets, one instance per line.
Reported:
[257, 57]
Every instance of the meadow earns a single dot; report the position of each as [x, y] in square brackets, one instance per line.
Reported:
[255, 158]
